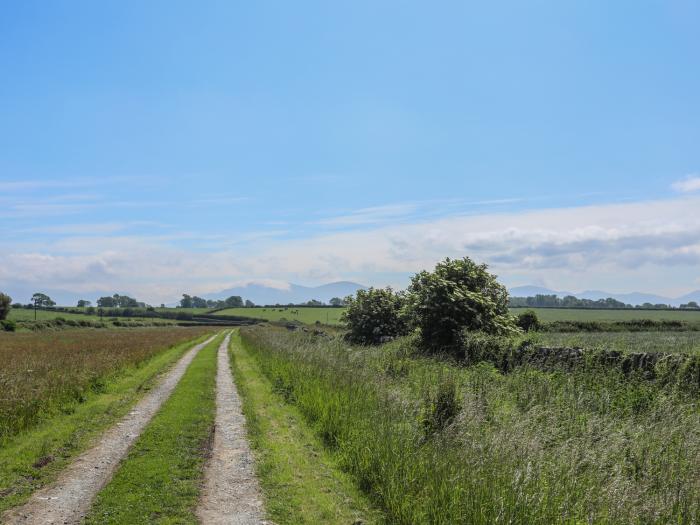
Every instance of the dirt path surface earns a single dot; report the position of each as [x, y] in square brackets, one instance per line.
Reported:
[231, 492]
[68, 499]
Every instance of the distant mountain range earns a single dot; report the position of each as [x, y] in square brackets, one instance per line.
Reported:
[293, 293]
[633, 298]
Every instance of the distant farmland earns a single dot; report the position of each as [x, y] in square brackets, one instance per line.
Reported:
[329, 315]
[307, 315]
[588, 314]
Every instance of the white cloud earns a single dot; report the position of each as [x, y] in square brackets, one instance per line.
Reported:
[655, 242]
[689, 184]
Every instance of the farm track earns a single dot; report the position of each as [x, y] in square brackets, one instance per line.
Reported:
[231, 494]
[68, 499]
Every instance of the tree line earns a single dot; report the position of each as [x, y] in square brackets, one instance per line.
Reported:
[569, 301]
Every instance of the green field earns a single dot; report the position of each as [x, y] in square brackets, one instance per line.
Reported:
[23, 315]
[328, 315]
[324, 315]
[683, 342]
[586, 314]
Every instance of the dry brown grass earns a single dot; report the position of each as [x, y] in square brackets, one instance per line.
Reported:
[47, 372]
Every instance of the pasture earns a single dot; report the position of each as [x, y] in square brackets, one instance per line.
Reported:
[659, 341]
[25, 319]
[610, 315]
[307, 315]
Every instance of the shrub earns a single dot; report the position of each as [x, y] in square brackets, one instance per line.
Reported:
[440, 408]
[5, 305]
[528, 321]
[8, 325]
[458, 295]
[374, 315]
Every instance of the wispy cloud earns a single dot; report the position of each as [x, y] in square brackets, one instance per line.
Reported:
[580, 243]
[689, 184]
[23, 185]
[372, 215]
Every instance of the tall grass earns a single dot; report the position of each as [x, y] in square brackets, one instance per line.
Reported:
[48, 372]
[432, 442]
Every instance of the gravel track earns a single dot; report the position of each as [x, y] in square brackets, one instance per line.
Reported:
[231, 493]
[68, 499]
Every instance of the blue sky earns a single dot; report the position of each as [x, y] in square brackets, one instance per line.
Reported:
[160, 147]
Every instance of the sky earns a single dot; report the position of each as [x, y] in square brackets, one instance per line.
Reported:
[156, 148]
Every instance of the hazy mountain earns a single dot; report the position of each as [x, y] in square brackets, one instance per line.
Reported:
[294, 293]
[692, 296]
[531, 291]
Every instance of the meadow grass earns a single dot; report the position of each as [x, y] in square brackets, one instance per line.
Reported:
[671, 342]
[159, 481]
[324, 315]
[45, 373]
[52, 319]
[23, 314]
[602, 314]
[432, 442]
[301, 482]
[33, 458]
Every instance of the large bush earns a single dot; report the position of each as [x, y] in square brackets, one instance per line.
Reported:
[528, 321]
[5, 302]
[457, 295]
[374, 315]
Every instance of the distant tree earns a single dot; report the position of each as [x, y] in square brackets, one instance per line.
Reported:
[373, 315]
[690, 305]
[198, 302]
[186, 301]
[124, 301]
[106, 302]
[235, 301]
[5, 305]
[41, 300]
[314, 302]
[82, 303]
[336, 301]
[249, 303]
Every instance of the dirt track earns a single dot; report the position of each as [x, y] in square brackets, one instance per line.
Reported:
[67, 500]
[231, 493]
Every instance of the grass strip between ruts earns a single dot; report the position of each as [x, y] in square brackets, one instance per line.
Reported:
[34, 458]
[159, 481]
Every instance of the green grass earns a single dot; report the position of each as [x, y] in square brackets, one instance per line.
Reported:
[585, 314]
[25, 318]
[327, 315]
[672, 342]
[432, 442]
[300, 480]
[65, 435]
[324, 315]
[159, 481]
[21, 314]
